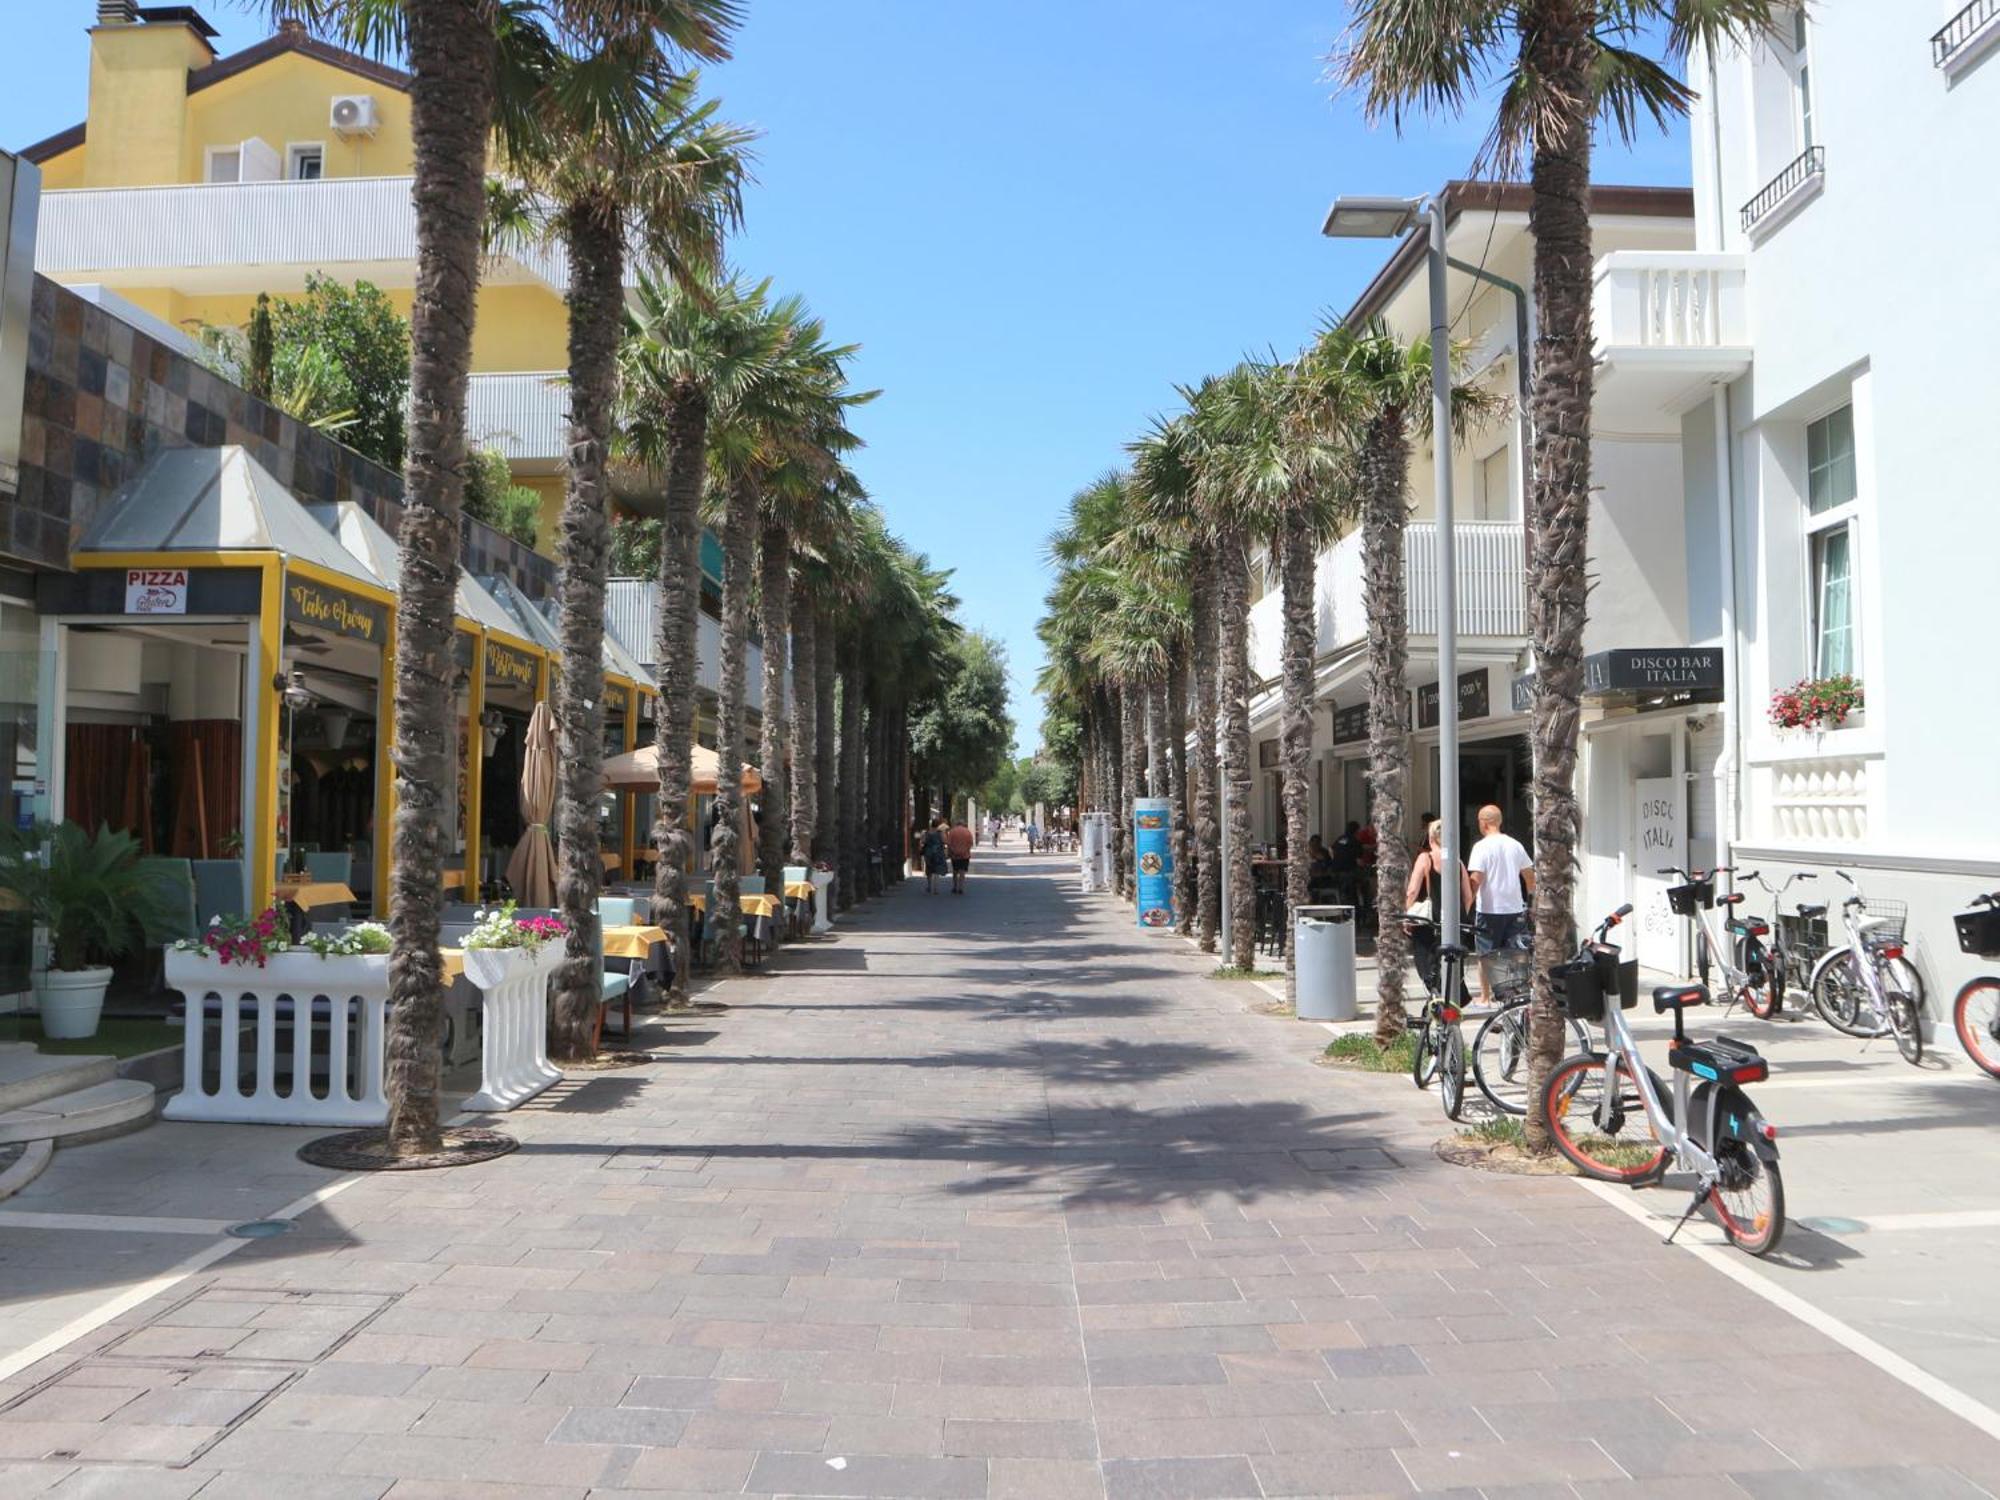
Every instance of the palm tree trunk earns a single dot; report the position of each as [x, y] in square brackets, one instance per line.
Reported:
[1156, 738]
[826, 810]
[849, 784]
[680, 609]
[451, 105]
[805, 716]
[1207, 815]
[595, 240]
[1131, 748]
[725, 906]
[1562, 50]
[1296, 562]
[1232, 626]
[1385, 459]
[773, 746]
[1181, 843]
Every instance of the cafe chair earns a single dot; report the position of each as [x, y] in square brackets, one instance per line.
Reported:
[218, 889]
[335, 866]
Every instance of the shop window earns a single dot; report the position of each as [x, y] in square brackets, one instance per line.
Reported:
[1832, 499]
[1800, 67]
[1495, 500]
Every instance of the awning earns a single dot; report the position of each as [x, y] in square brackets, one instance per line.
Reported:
[1643, 676]
[536, 623]
[369, 541]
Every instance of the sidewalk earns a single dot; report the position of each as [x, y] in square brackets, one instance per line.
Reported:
[988, 1195]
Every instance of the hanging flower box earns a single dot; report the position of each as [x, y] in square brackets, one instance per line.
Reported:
[511, 960]
[1817, 704]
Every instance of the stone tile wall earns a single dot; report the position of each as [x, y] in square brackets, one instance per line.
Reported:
[103, 397]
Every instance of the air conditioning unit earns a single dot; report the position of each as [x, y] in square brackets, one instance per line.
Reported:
[352, 114]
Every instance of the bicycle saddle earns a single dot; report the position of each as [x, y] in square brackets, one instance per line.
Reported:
[1734, 898]
[1721, 1058]
[1809, 912]
[1668, 997]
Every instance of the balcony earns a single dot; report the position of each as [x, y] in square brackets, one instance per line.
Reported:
[1966, 37]
[243, 236]
[525, 416]
[1784, 195]
[1668, 324]
[1492, 591]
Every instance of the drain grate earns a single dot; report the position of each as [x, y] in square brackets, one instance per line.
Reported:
[261, 1229]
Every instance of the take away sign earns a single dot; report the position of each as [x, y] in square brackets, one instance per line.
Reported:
[156, 591]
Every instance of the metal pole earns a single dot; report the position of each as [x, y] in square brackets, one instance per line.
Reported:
[1447, 566]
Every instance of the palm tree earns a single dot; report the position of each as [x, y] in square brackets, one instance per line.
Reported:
[672, 180]
[1566, 64]
[686, 353]
[457, 53]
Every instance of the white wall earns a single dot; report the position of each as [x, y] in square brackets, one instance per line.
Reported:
[1638, 559]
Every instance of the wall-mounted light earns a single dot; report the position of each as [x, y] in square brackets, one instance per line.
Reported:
[294, 690]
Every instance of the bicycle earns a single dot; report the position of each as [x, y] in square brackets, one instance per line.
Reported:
[1869, 969]
[1694, 898]
[1976, 1011]
[1763, 951]
[1439, 1054]
[1611, 1119]
[1500, 1046]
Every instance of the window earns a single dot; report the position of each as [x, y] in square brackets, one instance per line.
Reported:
[1496, 486]
[1801, 69]
[1832, 490]
[225, 164]
[304, 163]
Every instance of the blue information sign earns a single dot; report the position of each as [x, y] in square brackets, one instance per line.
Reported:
[1152, 844]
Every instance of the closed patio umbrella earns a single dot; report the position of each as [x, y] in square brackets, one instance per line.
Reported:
[532, 870]
[639, 770]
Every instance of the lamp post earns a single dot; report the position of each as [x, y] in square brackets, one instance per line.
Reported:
[1391, 218]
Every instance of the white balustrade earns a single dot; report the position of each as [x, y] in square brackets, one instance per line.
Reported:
[334, 1010]
[1661, 299]
[514, 1043]
[822, 900]
[1492, 574]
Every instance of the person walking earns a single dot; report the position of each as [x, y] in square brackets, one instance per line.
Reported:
[1421, 898]
[933, 855]
[1503, 877]
[1034, 836]
[958, 844]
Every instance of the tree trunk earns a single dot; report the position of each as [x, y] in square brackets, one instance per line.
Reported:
[849, 783]
[677, 626]
[1156, 738]
[1560, 48]
[451, 105]
[774, 744]
[1296, 563]
[1131, 751]
[826, 746]
[805, 722]
[1180, 840]
[725, 905]
[1207, 814]
[1385, 462]
[594, 233]
[1232, 625]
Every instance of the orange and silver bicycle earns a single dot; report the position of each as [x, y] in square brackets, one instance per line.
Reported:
[1976, 1012]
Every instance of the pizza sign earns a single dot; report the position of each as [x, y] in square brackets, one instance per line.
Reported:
[156, 591]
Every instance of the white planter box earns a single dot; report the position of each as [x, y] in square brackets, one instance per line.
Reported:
[514, 1043]
[822, 900]
[334, 1007]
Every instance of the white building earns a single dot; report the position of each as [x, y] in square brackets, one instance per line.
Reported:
[1824, 359]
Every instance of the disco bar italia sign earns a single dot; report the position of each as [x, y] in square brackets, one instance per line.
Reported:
[1152, 847]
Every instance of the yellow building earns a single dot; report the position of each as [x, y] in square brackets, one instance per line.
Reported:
[196, 182]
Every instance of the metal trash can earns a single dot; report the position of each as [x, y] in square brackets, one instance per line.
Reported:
[1324, 939]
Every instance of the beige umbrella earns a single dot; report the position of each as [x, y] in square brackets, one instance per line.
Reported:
[639, 770]
[532, 870]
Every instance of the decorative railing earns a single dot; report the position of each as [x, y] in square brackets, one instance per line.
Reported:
[1959, 32]
[525, 416]
[1492, 581]
[1808, 166]
[1671, 299]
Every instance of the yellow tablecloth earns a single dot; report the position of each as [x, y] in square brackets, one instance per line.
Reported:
[753, 906]
[311, 893]
[631, 942]
[798, 890]
[611, 861]
[454, 880]
[697, 901]
[454, 963]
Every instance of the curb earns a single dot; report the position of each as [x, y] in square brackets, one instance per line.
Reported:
[26, 1168]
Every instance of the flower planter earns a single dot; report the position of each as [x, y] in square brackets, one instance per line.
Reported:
[822, 900]
[71, 1001]
[514, 1041]
[334, 1009]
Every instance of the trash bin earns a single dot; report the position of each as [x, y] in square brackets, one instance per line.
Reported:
[1324, 942]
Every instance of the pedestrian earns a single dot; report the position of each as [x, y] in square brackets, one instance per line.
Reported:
[1503, 877]
[1421, 899]
[1034, 835]
[934, 855]
[958, 843]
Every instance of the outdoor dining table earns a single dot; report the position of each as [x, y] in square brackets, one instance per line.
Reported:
[751, 906]
[314, 893]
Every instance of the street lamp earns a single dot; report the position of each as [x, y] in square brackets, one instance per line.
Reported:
[1390, 218]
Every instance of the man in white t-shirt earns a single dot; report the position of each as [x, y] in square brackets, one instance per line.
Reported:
[1502, 879]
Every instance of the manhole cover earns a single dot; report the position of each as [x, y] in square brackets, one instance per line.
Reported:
[261, 1229]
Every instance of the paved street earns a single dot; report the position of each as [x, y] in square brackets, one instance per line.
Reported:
[987, 1196]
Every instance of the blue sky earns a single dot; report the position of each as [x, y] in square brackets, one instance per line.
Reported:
[1034, 217]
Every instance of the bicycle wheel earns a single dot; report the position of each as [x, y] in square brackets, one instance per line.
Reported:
[1900, 977]
[1606, 1136]
[1451, 1072]
[1748, 1204]
[1839, 998]
[1761, 997]
[1500, 1056]
[1424, 1058]
[1908, 1026]
[1976, 1014]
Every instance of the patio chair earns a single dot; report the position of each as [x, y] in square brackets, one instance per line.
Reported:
[218, 889]
[617, 911]
[798, 909]
[335, 865]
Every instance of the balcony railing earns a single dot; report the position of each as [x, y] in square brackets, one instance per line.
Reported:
[1980, 19]
[1654, 299]
[1806, 171]
[1492, 578]
[525, 416]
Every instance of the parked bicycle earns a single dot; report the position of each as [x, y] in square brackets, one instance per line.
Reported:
[1440, 1047]
[1500, 1046]
[1612, 1119]
[1866, 987]
[1976, 1011]
[1764, 951]
[1742, 963]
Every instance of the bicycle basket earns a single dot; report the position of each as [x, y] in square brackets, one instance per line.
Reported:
[1512, 971]
[1686, 900]
[1886, 920]
[1588, 978]
[1979, 931]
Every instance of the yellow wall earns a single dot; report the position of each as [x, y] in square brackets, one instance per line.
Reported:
[65, 171]
[138, 102]
[286, 100]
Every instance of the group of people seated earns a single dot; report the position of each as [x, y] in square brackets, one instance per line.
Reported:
[1342, 872]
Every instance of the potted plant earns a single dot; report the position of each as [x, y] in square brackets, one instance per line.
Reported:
[99, 897]
[510, 959]
[1816, 703]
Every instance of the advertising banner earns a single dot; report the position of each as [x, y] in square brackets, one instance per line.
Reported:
[1152, 846]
